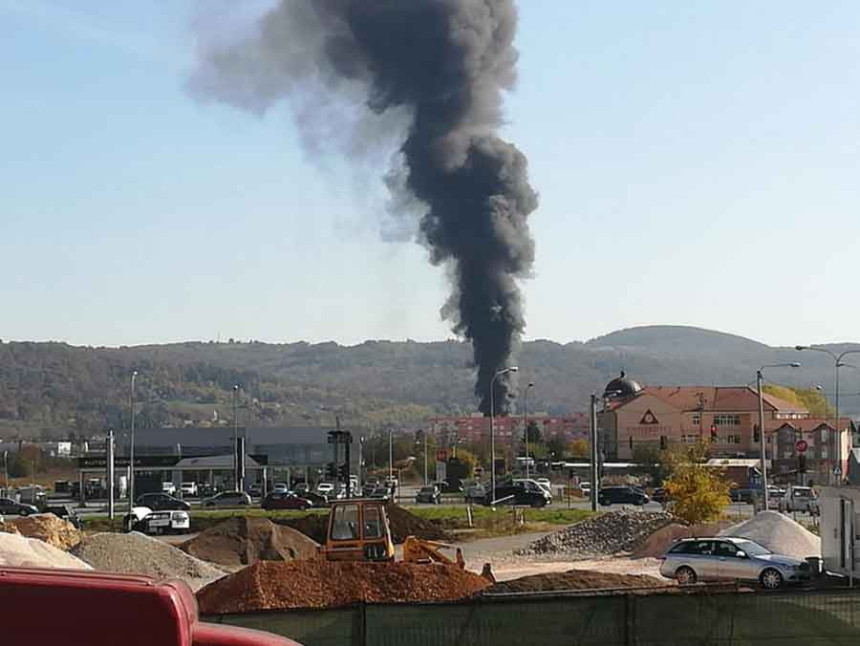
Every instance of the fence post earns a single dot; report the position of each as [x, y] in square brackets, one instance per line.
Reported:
[629, 620]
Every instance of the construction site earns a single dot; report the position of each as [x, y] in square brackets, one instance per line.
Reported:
[371, 572]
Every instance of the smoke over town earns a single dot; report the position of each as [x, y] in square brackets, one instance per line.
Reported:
[439, 67]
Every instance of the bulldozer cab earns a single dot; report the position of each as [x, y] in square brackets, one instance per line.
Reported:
[358, 530]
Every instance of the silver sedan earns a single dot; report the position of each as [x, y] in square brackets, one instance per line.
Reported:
[730, 559]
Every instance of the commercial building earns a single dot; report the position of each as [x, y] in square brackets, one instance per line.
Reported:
[206, 453]
[725, 417]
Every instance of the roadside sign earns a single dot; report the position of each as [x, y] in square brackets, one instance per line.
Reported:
[801, 446]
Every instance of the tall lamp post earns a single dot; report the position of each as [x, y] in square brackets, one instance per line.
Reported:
[498, 374]
[759, 379]
[131, 448]
[837, 362]
[236, 437]
[526, 422]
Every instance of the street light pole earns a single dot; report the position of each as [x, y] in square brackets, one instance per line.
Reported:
[131, 447]
[499, 373]
[837, 362]
[759, 382]
[526, 422]
[425, 458]
[235, 436]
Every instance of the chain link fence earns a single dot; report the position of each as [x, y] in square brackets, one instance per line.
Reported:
[723, 618]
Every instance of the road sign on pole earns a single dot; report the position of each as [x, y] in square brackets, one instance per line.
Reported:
[801, 446]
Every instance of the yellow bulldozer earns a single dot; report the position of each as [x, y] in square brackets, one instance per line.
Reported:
[358, 530]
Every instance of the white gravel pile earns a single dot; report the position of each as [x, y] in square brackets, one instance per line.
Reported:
[20, 551]
[136, 553]
[617, 532]
[778, 533]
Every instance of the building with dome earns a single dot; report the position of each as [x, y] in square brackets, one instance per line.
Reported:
[725, 417]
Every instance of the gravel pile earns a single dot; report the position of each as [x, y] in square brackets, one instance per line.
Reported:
[20, 551]
[617, 532]
[242, 541]
[575, 580]
[136, 553]
[272, 585]
[778, 533]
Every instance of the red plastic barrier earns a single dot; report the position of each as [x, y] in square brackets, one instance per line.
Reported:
[40, 607]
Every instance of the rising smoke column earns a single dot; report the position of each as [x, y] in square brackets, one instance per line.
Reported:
[445, 63]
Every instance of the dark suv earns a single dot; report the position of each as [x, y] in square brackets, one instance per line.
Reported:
[622, 496]
[520, 494]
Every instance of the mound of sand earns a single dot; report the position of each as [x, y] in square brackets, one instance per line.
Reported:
[660, 541]
[243, 541]
[325, 584]
[20, 551]
[778, 533]
[47, 527]
[136, 553]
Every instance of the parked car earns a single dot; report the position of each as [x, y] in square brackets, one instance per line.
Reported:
[730, 559]
[326, 488]
[302, 487]
[585, 489]
[429, 494]
[161, 502]
[65, 512]
[799, 499]
[14, 508]
[658, 495]
[523, 493]
[188, 488]
[285, 500]
[545, 484]
[148, 521]
[228, 499]
[534, 484]
[255, 490]
[280, 487]
[622, 496]
[474, 491]
[378, 491]
[169, 488]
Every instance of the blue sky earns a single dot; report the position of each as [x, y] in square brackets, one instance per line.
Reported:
[697, 164]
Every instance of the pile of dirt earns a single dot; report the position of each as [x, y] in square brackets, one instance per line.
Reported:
[20, 551]
[617, 532]
[314, 526]
[660, 541]
[46, 527]
[404, 523]
[778, 533]
[575, 580]
[136, 553]
[242, 541]
[326, 584]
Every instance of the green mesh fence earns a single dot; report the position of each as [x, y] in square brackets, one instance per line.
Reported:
[724, 619]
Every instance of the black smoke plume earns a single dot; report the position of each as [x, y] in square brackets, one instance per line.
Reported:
[443, 65]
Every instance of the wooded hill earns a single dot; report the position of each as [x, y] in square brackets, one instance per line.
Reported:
[61, 388]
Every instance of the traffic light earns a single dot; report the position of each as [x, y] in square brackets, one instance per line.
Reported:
[801, 463]
[330, 470]
[713, 433]
[756, 433]
[343, 471]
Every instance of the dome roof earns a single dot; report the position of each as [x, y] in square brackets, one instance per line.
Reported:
[621, 386]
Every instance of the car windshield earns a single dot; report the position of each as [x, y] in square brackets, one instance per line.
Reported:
[752, 549]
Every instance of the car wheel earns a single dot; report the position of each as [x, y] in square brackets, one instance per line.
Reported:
[771, 579]
[24, 512]
[685, 575]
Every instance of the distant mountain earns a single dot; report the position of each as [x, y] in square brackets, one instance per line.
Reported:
[54, 386]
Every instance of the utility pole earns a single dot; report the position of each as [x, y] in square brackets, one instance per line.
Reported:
[526, 423]
[595, 485]
[109, 452]
[131, 448]
[235, 441]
